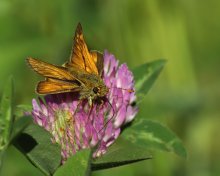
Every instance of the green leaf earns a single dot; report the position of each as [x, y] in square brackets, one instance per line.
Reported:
[19, 125]
[22, 108]
[153, 135]
[1, 159]
[145, 76]
[122, 152]
[25, 107]
[35, 143]
[77, 165]
[6, 114]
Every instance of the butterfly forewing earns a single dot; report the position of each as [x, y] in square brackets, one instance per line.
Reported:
[58, 79]
[50, 70]
[80, 57]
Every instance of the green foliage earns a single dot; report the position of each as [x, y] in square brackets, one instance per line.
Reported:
[153, 136]
[146, 133]
[6, 117]
[19, 125]
[77, 165]
[6, 114]
[35, 143]
[145, 75]
[21, 108]
[122, 152]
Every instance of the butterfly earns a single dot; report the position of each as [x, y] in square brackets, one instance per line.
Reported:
[81, 74]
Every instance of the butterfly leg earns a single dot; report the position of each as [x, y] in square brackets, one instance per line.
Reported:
[109, 119]
[77, 107]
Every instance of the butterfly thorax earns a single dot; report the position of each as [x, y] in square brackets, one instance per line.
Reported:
[92, 86]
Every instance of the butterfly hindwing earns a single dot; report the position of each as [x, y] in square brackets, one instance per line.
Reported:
[98, 59]
[52, 86]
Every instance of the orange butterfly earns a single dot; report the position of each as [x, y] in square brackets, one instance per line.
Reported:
[82, 73]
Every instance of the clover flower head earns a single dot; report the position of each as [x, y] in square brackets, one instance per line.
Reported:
[77, 126]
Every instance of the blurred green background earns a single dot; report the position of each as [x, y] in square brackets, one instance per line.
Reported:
[186, 96]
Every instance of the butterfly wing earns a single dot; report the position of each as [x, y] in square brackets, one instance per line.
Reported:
[98, 59]
[81, 58]
[58, 79]
[50, 70]
[53, 86]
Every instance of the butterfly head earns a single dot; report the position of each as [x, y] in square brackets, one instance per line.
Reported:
[100, 90]
[96, 93]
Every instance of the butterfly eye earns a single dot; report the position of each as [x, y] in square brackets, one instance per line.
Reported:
[95, 90]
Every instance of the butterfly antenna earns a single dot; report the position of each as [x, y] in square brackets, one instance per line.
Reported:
[77, 107]
[129, 90]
